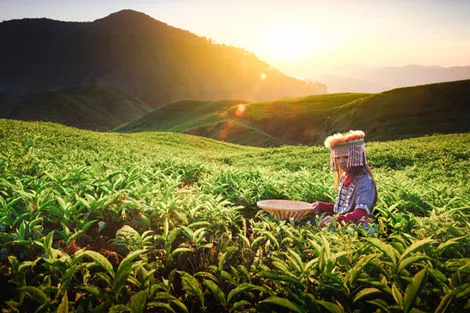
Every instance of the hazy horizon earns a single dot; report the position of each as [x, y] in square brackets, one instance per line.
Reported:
[302, 39]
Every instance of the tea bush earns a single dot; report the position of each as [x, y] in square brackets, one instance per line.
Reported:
[163, 222]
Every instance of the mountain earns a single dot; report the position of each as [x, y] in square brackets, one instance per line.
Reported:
[363, 79]
[337, 84]
[394, 77]
[136, 54]
[87, 107]
[399, 113]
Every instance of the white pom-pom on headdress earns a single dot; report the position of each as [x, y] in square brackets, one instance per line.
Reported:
[346, 138]
[350, 144]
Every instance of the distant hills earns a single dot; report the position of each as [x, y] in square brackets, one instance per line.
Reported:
[135, 54]
[362, 79]
[399, 113]
[338, 84]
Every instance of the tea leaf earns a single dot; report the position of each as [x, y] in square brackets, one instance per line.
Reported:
[192, 287]
[365, 292]
[35, 293]
[397, 295]
[236, 291]
[387, 249]
[404, 263]
[160, 305]
[99, 259]
[180, 305]
[462, 290]
[124, 270]
[355, 270]
[137, 301]
[239, 304]
[381, 304]
[330, 306]
[445, 302]
[415, 246]
[283, 302]
[215, 291]
[64, 305]
[412, 290]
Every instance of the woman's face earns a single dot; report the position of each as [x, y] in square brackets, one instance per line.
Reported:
[342, 162]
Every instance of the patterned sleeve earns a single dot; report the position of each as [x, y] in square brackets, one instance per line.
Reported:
[365, 194]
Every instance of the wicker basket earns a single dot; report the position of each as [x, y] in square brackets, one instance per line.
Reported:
[285, 209]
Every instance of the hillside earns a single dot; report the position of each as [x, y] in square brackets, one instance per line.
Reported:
[136, 54]
[165, 221]
[207, 119]
[409, 112]
[399, 113]
[87, 107]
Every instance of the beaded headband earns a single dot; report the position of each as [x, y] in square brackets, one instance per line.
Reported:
[351, 144]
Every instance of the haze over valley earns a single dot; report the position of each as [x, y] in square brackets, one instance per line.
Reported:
[378, 79]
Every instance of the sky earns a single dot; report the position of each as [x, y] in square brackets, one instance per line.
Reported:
[301, 38]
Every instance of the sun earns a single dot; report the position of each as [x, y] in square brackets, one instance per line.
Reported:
[290, 42]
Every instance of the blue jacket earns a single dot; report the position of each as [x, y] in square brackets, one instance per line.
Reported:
[360, 194]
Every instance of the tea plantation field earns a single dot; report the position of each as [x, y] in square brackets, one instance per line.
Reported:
[166, 222]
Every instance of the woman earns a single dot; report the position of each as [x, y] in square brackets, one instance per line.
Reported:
[357, 192]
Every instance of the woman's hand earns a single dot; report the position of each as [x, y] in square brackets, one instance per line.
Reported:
[315, 206]
[325, 221]
[321, 207]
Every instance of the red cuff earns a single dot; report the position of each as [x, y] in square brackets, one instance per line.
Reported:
[325, 207]
[354, 217]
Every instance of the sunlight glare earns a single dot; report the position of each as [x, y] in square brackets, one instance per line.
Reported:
[291, 42]
[240, 110]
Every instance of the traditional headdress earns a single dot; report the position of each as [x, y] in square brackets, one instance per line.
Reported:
[350, 144]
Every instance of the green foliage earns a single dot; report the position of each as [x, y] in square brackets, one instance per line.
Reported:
[93, 222]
